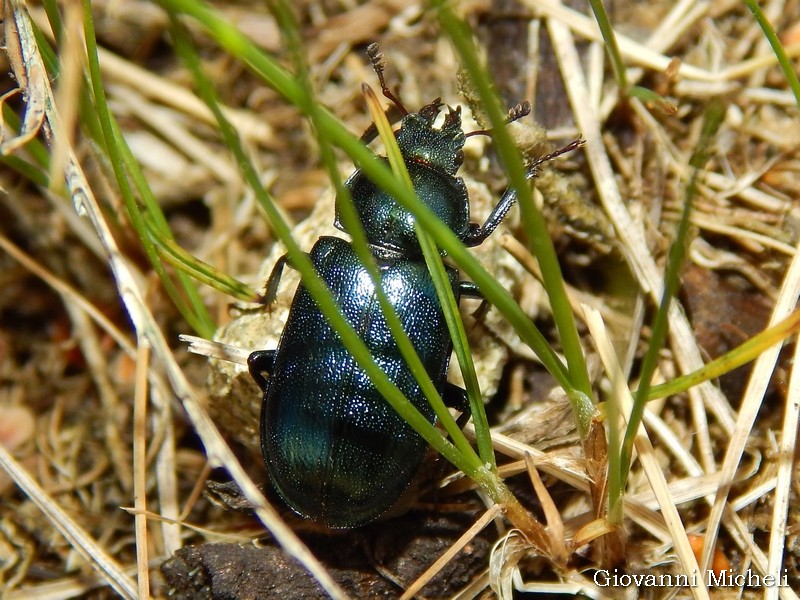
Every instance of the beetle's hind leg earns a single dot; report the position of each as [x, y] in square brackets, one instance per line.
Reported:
[456, 397]
[468, 289]
[260, 362]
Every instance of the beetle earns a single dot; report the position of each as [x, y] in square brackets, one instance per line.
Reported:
[335, 450]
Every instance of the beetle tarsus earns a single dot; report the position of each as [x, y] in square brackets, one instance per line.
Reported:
[469, 289]
[274, 280]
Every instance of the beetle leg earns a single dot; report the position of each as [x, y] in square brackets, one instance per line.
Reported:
[455, 397]
[260, 362]
[478, 233]
[271, 288]
[469, 289]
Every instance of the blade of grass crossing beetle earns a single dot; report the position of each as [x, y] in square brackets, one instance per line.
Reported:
[435, 266]
[579, 388]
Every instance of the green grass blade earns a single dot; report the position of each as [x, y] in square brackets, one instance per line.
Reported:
[202, 271]
[37, 150]
[741, 355]
[121, 159]
[713, 118]
[610, 39]
[450, 309]
[440, 280]
[780, 52]
[355, 230]
[534, 222]
[28, 170]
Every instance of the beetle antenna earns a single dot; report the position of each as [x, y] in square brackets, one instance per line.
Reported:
[376, 57]
[515, 113]
[573, 145]
[519, 110]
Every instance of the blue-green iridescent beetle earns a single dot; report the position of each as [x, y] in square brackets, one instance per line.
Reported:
[335, 450]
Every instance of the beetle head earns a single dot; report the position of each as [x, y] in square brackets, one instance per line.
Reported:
[438, 147]
[432, 156]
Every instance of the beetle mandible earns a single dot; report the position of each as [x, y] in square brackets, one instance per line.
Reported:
[335, 450]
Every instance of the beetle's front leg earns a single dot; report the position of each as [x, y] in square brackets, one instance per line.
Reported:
[478, 233]
[271, 288]
[260, 362]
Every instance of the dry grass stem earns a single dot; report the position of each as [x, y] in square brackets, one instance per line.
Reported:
[140, 469]
[437, 566]
[751, 402]
[783, 485]
[652, 470]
